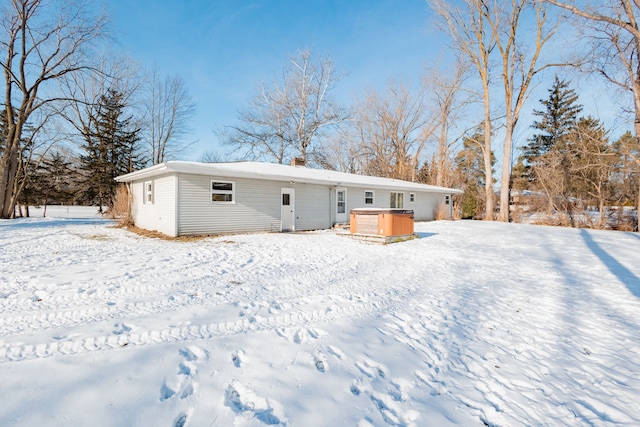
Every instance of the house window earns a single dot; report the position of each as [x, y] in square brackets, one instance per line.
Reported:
[412, 197]
[396, 200]
[368, 197]
[148, 192]
[222, 191]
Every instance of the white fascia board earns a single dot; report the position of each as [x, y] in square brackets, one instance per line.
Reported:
[149, 172]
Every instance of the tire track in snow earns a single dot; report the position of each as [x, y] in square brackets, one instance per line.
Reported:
[19, 351]
[105, 291]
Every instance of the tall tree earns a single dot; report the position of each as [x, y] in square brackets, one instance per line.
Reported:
[554, 123]
[520, 64]
[473, 37]
[111, 149]
[168, 112]
[286, 118]
[41, 43]
[448, 99]
[56, 177]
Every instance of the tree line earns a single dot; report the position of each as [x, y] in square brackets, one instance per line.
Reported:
[444, 130]
[72, 116]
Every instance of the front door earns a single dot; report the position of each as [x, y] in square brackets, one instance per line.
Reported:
[341, 205]
[287, 209]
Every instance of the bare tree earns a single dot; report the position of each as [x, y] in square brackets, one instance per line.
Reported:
[616, 25]
[472, 36]
[83, 90]
[264, 129]
[286, 118]
[447, 99]
[518, 69]
[168, 112]
[392, 130]
[41, 42]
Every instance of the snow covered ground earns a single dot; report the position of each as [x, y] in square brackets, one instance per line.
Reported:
[473, 324]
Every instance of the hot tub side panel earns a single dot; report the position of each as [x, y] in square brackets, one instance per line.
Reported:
[391, 224]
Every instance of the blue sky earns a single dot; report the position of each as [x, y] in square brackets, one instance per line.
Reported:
[223, 49]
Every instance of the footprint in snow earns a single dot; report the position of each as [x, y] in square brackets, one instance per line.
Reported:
[122, 328]
[304, 335]
[182, 419]
[371, 369]
[239, 358]
[320, 360]
[247, 404]
[182, 384]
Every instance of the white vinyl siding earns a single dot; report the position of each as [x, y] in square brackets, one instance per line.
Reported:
[424, 206]
[159, 214]
[257, 206]
[313, 207]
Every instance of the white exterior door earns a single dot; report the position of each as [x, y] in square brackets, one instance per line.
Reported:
[341, 205]
[287, 209]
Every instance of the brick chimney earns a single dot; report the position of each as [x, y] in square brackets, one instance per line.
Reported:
[298, 161]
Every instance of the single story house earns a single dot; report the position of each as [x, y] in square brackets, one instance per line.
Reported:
[180, 198]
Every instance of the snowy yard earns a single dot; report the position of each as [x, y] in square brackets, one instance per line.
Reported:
[474, 323]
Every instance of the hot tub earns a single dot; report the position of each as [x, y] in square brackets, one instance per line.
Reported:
[390, 224]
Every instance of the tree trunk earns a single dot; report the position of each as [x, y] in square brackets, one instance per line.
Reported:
[7, 184]
[506, 170]
[488, 172]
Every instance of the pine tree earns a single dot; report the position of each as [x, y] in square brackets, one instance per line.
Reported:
[111, 148]
[55, 172]
[470, 165]
[556, 121]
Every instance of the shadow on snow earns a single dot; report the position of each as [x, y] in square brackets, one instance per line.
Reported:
[630, 280]
[425, 235]
[47, 223]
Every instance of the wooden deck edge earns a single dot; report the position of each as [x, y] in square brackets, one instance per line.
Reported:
[383, 240]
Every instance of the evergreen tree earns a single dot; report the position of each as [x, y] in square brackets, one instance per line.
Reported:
[111, 148]
[556, 121]
[55, 174]
[470, 165]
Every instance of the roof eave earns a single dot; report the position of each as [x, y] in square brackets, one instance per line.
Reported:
[143, 173]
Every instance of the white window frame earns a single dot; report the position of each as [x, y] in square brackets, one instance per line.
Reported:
[396, 199]
[373, 195]
[148, 192]
[231, 192]
[412, 197]
[343, 202]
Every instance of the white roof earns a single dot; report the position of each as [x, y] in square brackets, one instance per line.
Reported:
[277, 172]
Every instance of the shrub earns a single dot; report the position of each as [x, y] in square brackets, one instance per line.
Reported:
[121, 209]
